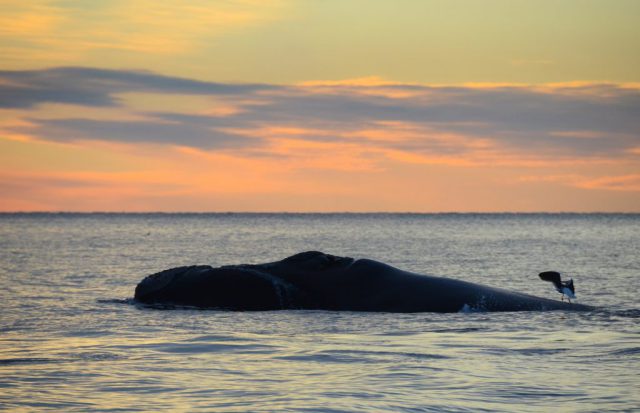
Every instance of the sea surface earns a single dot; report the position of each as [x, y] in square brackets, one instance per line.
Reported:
[71, 340]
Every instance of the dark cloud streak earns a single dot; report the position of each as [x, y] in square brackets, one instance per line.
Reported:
[516, 118]
[96, 87]
[156, 132]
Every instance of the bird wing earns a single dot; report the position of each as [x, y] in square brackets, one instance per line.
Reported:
[553, 277]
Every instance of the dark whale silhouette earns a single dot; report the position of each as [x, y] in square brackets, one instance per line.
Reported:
[314, 280]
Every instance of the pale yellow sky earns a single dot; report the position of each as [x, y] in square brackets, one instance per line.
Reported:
[421, 106]
[279, 41]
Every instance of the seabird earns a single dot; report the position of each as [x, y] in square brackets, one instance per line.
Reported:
[563, 287]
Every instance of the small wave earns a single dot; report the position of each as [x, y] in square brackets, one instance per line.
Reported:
[323, 358]
[99, 356]
[27, 360]
[198, 348]
[538, 351]
[631, 313]
[117, 301]
[359, 356]
[154, 306]
[169, 307]
[66, 358]
[526, 351]
[459, 330]
[214, 338]
[626, 351]
[390, 354]
[399, 333]
[530, 393]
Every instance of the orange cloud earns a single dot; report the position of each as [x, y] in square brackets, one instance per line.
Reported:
[37, 31]
[630, 183]
[613, 183]
[360, 81]
[28, 19]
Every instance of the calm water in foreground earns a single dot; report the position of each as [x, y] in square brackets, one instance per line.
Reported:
[68, 342]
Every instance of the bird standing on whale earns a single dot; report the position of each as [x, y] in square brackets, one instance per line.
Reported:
[317, 281]
[563, 287]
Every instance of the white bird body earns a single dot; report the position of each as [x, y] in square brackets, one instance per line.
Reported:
[566, 291]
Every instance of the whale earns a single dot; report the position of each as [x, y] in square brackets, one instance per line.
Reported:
[314, 280]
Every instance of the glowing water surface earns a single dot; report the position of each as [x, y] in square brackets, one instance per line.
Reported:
[68, 343]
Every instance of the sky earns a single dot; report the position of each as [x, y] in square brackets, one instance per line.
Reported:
[320, 106]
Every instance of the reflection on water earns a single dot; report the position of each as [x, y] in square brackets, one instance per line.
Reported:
[71, 341]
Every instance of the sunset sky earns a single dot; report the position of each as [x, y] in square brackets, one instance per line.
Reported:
[421, 106]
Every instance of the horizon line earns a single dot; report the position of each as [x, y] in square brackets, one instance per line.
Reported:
[320, 213]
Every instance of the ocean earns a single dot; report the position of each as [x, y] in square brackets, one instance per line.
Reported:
[71, 340]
